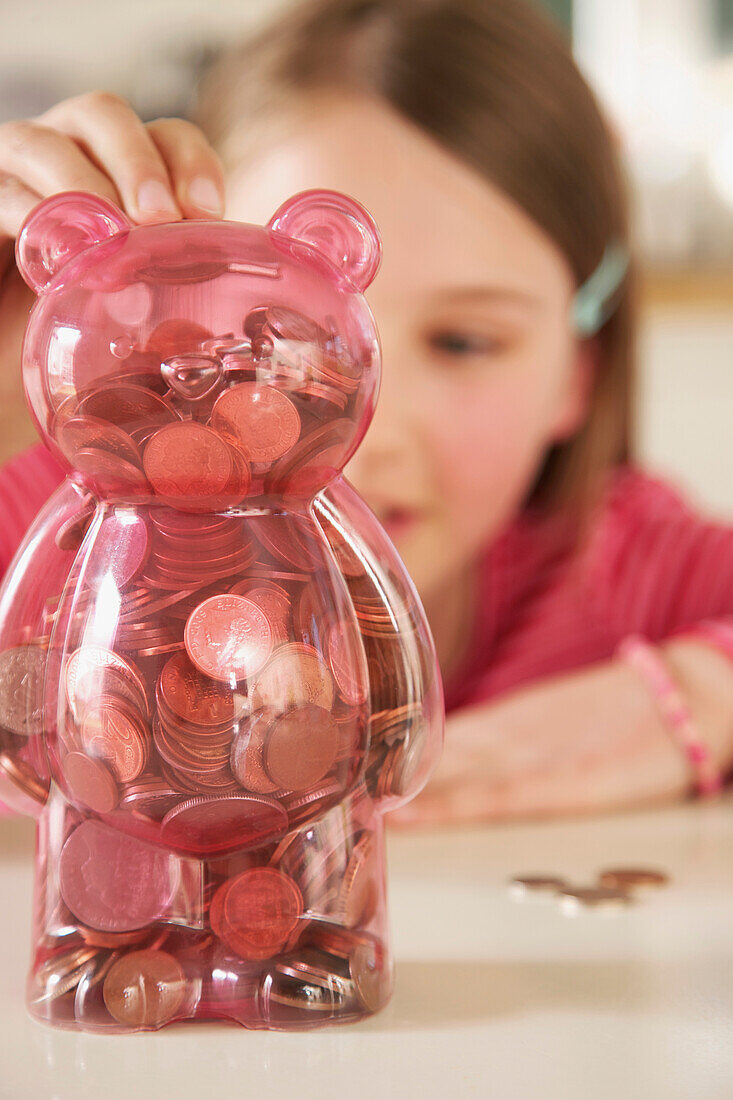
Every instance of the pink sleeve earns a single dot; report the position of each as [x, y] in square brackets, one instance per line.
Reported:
[26, 482]
[666, 568]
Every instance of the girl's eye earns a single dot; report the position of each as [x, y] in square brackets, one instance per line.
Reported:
[463, 344]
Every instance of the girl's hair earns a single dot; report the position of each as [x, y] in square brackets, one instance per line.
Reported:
[495, 83]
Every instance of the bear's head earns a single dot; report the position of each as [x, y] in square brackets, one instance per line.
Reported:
[201, 364]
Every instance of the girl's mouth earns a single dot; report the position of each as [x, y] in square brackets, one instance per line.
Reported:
[397, 522]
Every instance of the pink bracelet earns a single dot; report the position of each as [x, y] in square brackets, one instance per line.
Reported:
[719, 632]
[641, 655]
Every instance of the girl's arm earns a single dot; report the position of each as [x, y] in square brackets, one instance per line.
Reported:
[590, 740]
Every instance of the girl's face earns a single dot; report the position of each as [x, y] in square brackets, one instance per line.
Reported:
[481, 369]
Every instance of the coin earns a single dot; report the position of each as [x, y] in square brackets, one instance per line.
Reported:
[70, 534]
[119, 550]
[366, 966]
[258, 911]
[89, 667]
[301, 747]
[109, 472]
[20, 786]
[216, 823]
[246, 752]
[81, 432]
[525, 884]
[228, 638]
[191, 696]
[593, 897]
[358, 894]
[129, 406]
[89, 782]
[113, 882]
[144, 989]
[258, 417]
[176, 335]
[347, 662]
[294, 676]
[116, 737]
[22, 671]
[623, 878]
[187, 460]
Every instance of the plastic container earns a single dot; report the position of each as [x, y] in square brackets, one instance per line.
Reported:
[215, 673]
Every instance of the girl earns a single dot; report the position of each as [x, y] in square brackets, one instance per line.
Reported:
[578, 606]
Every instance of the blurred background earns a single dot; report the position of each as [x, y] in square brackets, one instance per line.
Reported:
[662, 68]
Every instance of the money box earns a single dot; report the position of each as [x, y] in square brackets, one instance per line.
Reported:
[215, 673]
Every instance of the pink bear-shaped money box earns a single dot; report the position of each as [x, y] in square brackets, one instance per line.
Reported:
[215, 674]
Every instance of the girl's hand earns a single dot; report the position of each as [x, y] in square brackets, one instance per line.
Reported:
[586, 741]
[157, 171]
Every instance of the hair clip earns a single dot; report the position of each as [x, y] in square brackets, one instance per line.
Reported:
[595, 299]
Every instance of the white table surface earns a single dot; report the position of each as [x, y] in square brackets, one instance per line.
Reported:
[494, 997]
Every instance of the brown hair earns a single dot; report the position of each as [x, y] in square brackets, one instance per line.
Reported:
[495, 83]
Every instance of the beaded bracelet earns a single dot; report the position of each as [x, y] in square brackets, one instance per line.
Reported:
[642, 656]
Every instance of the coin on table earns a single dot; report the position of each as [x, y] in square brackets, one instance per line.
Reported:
[524, 885]
[592, 897]
[625, 878]
[144, 989]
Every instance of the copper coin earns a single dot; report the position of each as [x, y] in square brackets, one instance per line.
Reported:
[294, 676]
[176, 335]
[20, 786]
[87, 670]
[301, 748]
[94, 683]
[314, 461]
[228, 638]
[290, 539]
[144, 989]
[366, 966]
[524, 884]
[187, 460]
[259, 417]
[82, 432]
[118, 739]
[347, 662]
[358, 893]
[593, 897]
[22, 672]
[128, 406]
[119, 550]
[623, 878]
[272, 598]
[261, 909]
[194, 697]
[111, 472]
[216, 823]
[246, 754]
[113, 882]
[61, 973]
[89, 782]
[70, 534]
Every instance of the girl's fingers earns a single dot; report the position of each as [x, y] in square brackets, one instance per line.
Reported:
[111, 135]
[16, 202]
[194, 168]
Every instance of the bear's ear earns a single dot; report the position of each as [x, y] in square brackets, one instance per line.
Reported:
[336, 226]
[61, 227]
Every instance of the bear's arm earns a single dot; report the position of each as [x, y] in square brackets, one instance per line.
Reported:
[371, 566]
[36, 575]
